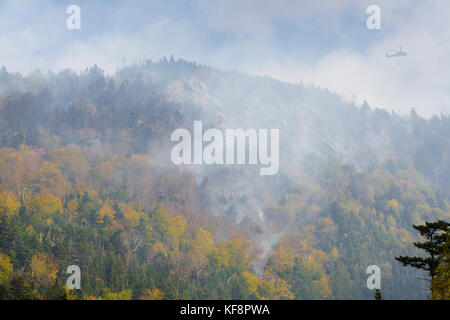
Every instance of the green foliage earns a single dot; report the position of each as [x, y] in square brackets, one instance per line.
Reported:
[154, 247]
[83, 181]
[440, 285]
[378, 295]
[436, 234]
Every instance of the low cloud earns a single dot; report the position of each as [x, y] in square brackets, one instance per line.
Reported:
[323, 42]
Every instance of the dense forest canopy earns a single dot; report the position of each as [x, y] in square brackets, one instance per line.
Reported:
[86, 179]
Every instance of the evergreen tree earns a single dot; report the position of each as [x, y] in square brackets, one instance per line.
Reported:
[19, 289]
[413, 114]
[378, 295]
[170, 292]
[440, 286]
[436, 234]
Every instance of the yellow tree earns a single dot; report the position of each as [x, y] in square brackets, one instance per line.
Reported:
[71, 161]
[154, 294]
[122, 295]
[238, 254]
[177, 229]
[43, 268]
[9, 204]
[49, 179]
[44, 203]
[6, 267]
[131, 214]
[106, 211]
[284, 256]
[252, 282]
[202, 246]
[71, 209]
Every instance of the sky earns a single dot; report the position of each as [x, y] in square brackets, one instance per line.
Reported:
[323, 42]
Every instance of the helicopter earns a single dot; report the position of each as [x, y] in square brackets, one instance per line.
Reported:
[396, 53]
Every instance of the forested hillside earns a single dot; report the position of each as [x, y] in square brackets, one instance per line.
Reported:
[86, 179]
